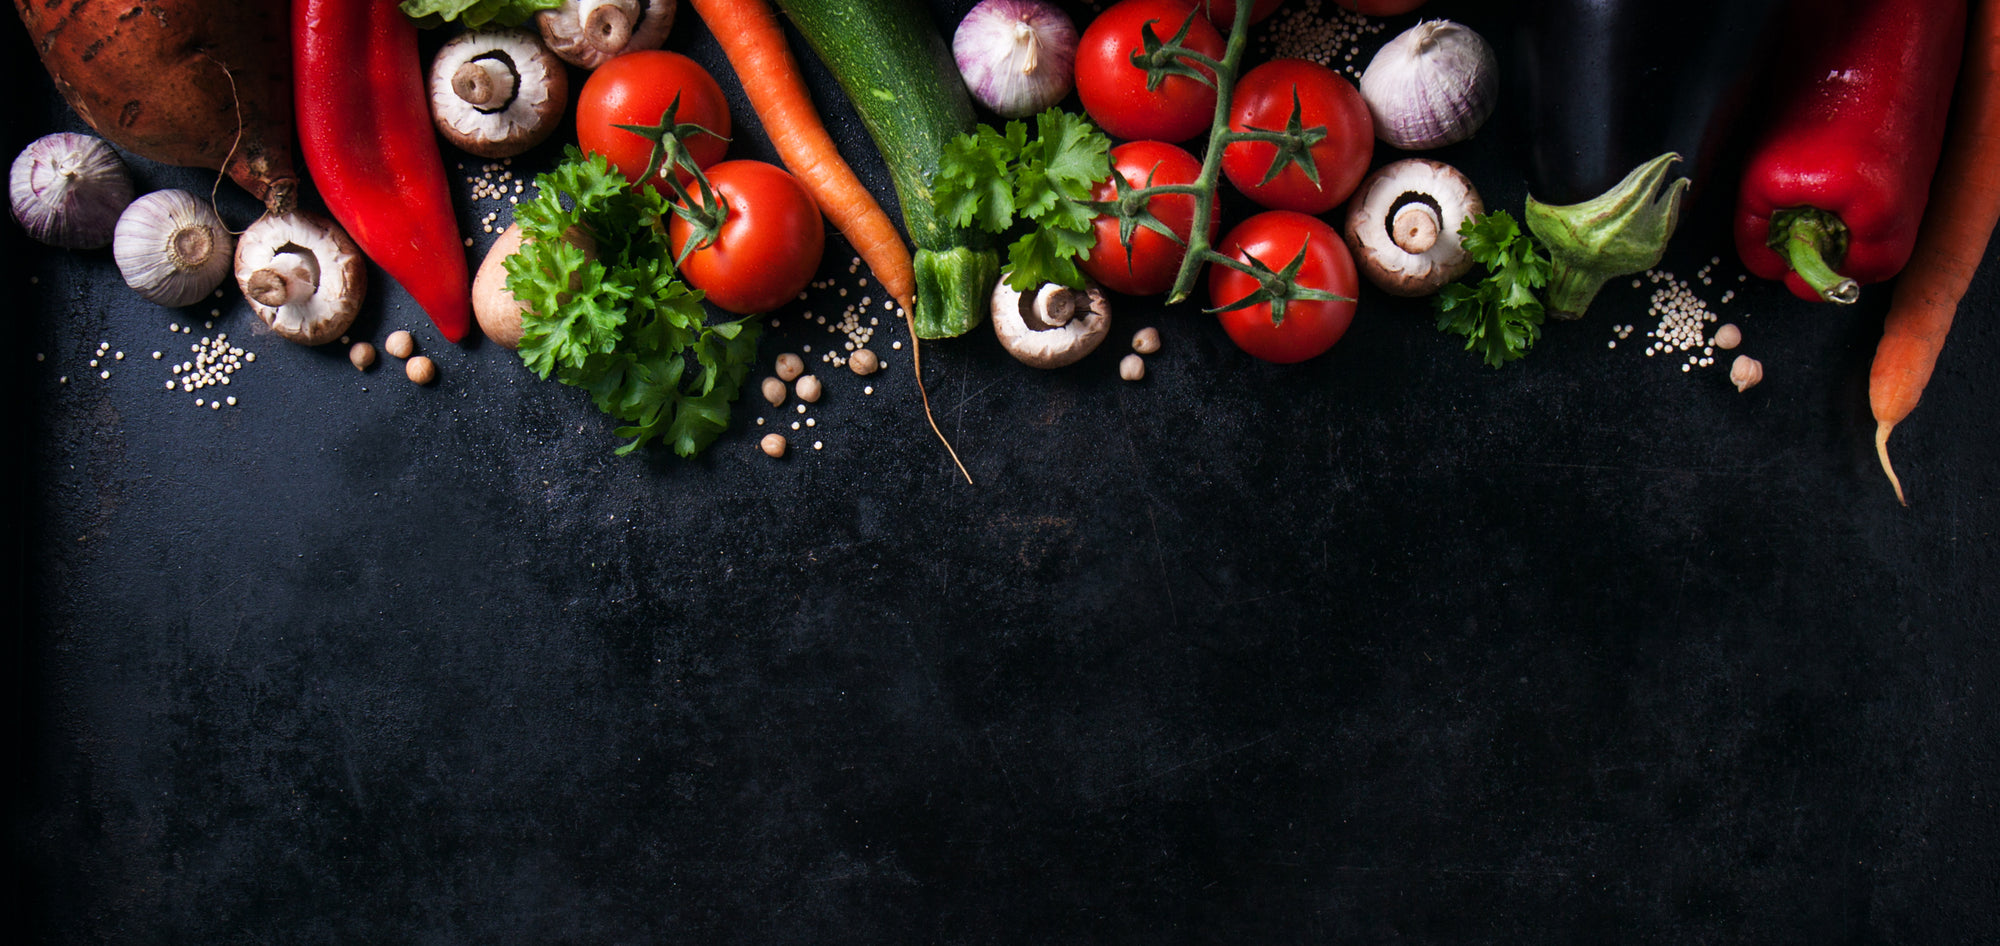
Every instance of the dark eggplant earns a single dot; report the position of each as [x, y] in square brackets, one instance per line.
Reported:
[1620, 94]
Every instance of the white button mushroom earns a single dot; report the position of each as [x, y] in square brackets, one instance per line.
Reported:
[587, 33]
[1402, 225]
[302, 274]
[1055, 326]
[497, 93]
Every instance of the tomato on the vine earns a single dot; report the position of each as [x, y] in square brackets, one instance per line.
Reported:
[1148, 268]
[1113, 90]
[1275, 238]
[769, 245]
[1263, 101]
[636, 89]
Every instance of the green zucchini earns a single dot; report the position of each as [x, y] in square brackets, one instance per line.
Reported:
[899, 74]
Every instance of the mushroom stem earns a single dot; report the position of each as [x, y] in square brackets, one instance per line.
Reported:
[486, 83]
[1054, 306]
[608, 25]
[1415, 227]
[291, 277]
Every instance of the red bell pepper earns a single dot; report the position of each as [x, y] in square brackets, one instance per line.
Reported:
[1835, 185]
[365, 129]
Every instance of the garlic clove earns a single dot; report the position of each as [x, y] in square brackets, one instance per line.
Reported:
[172, 248]
[1431, 86]
[68, 189]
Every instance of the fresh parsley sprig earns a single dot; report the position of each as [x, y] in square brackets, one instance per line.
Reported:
[996, 180]
[1500, 317]
[616, 321]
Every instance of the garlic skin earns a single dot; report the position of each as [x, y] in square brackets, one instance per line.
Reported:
[1017, 57]
[172, 248]
[1432, 86]
[68, 189]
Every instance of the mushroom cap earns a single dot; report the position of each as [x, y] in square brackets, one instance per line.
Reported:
[532, 111]
[499, 313]
[1372, 211]
[342, 277]
[1050, 347]
[563, 29]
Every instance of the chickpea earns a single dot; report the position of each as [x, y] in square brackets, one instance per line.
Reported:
[1132, 367]
[773, 445]
[400, 344]
[1146, 340]
[864, 362]
[790, 366]
[421, 370]
[774, 391]
[1728, 336]
[362, 356]
[808, 388]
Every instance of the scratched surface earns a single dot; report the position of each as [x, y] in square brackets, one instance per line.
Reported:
[1387, 647]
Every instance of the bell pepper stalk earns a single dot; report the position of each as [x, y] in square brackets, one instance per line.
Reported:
[1624, 230]
[365, 130]
[1836, 181]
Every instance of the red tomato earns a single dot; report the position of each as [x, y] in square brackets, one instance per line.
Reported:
[635, 89]
[1222, 13]
[1310, 327]
[1263, 100]
[1153, 261]
[770, 243]
[1114, 91]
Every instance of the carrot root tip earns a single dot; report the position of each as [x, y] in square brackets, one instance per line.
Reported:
[1882, 452]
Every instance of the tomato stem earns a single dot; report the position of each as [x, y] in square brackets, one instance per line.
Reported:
[1211, 160]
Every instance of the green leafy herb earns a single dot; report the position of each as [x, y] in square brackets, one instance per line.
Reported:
[1500, 317]
[475, 14]
[617, 322]
[995, 180]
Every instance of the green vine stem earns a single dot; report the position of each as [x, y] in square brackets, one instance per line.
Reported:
[1199, 251]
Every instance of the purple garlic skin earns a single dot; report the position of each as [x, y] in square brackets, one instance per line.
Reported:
[1431, 86]
[68, 190]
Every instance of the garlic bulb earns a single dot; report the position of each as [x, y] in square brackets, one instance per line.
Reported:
[1017, 57]
[172, 248]
[68, 189]
[1432, 86]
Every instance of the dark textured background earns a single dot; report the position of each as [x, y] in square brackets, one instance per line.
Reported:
[1386, 647]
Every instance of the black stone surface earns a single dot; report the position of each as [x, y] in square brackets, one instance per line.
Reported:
[1386, 647]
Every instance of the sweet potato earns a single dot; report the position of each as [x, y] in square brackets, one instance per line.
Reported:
[198, 83]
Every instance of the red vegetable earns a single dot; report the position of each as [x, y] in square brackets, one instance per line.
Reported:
[1834, 188]
[1308, 327]
[1113, 89]
[769, 245]
[636, 88]
[1325, 100]
[1149, 265]
[365, 130]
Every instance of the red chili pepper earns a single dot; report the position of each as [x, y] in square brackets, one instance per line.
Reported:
[365, 129]
[1836, 184]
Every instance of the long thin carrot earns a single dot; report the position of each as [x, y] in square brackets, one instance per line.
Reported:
[751, 38]
[1964, 207]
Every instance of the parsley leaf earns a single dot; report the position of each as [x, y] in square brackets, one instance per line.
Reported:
[1500, 316]
[475, 14]
[618, 322]
[1004, 180]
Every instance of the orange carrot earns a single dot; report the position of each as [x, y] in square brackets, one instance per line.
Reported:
[1964, 207]
[750, 36]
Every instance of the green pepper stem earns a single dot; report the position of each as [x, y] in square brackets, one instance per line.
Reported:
[1806, 237]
